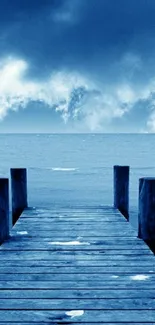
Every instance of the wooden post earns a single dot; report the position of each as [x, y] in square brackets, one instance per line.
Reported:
[4, 209]
[121, 189]
[146, 215]
[19, 192]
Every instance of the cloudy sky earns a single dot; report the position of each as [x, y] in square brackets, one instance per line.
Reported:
[77, 66]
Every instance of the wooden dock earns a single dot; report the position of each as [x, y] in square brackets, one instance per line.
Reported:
[76, 265]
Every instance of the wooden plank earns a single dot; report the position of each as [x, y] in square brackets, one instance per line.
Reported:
[107, 241]
[135, 293]
[71, 212]
[73, 222]
[17, 269]
[75, 245]
[113, 284]
[81, 304]
[76, 256]
[42, 226]
[49, 323]
[76, 233]
[75, 262]
[71, 277]
[74, 217]
[83, 252]
[131, 316]
[70, 208]
[27, 242]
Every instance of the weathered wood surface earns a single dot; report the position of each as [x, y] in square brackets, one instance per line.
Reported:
[121, 189]
[146, 216]
[56, 317]
[4, 209]
[49, 323]
[76, 266]
[19, 192]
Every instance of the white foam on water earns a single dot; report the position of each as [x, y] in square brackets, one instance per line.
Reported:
[22, 232]
[68, 243]
[75, 313]
[61, 169]
[139, 277]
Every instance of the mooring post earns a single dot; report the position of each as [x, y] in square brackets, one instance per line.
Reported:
[121, 189]
[146, 215]
[19, 192]
[4, 209]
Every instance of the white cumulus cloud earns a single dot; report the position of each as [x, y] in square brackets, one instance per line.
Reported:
[73, 95]
[16, 91]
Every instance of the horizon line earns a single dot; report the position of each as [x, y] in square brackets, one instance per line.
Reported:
[76, 133]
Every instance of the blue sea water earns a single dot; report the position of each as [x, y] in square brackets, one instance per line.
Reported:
[77, 168]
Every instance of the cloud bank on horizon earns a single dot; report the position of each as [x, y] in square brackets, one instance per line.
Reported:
[90, 61]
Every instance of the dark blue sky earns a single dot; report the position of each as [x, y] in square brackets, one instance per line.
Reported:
[77, 65]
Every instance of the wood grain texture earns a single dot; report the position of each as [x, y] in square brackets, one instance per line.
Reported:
[77, 294]
[121, 189]
[89, 316]
[19, 192]
[146, 216]
[58, 261]
[4, 209]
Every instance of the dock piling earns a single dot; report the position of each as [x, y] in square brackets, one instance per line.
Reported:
[19, 192]
[4, 209]
[146, 215]
[121, 189]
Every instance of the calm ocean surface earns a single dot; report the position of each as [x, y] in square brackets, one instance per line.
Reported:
[73, 168]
